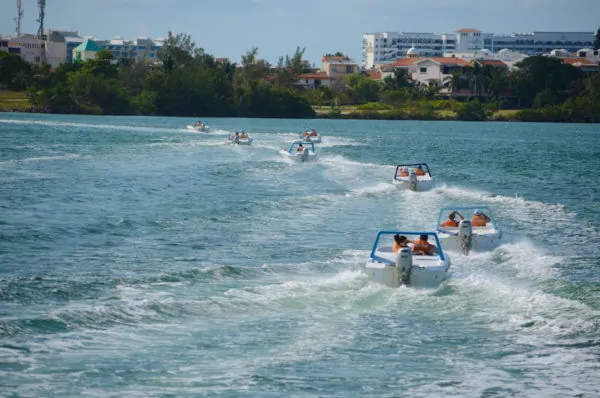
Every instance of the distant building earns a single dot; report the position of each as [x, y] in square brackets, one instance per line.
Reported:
[85, 51]
[387, 47]
[137, 49]
[335, 69]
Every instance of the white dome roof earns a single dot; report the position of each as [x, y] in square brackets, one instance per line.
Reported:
[504, 51]
[412, 51]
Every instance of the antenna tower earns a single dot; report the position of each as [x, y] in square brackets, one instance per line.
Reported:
[41, 6]
[19, 17]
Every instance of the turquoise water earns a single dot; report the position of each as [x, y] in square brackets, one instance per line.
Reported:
[140, 259]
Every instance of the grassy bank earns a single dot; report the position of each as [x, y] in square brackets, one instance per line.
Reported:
[14, 101]
[406, 113]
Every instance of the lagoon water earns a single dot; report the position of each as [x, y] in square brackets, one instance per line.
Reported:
[141, 259]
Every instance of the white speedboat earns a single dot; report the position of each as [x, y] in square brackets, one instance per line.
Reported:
[406, 267]
[200, 128]
[466, 229]
[311, 136]
[416, 177]
[300, 151]
[240, 138]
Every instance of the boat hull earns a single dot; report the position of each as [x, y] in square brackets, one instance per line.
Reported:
[201, 129]
[240, 141]
[479, 242]
[298, 157]
[309, 138]
[421, 276]
[424, 183]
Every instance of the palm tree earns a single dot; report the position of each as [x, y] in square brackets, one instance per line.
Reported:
[497, 81]
[455, 81]
[478, 80]
[398, 80]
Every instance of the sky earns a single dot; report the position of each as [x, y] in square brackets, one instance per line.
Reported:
[229, 28]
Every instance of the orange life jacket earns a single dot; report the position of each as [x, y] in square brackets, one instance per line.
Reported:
[243, 136]
[419, 172]
[478, 221]
[421, 245]
[313, 134]
[450, 223]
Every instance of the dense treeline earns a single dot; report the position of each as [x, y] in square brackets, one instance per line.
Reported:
[547, 88]
[188, 82]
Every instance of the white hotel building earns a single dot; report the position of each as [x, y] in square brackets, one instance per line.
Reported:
[386, 47]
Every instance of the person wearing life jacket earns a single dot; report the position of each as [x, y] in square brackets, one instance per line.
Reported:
[419, 171]
[199, 124]
[451, 221]
[400, 241]
[244, 135]
[479, 219]
[422, 247]
[404, 172]
[313, 133]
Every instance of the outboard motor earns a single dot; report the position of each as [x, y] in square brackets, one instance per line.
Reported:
[305, 155]
[465, 236]
[404, 263]
[412, 181]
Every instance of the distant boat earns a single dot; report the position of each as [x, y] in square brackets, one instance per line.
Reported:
[240, 139]
[300, 151]
[416, 177]
[199, 127]
[311, 136]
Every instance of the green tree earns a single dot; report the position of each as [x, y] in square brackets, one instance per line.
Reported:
[455, 81]
[537, 73]
[477, 78]
[15, 72]
[398, 80]
[362, 89]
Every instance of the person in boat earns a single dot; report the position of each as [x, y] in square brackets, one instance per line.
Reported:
[451, 221]
[419, 171]
[243, 135]
[199, 124]
[404, 172]
[400, 241]
[480, 219]
[422, 247]
[300, 148]
[313, 133]
[236, 137]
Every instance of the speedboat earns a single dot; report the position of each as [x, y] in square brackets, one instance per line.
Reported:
[201, 128]
[242, 138]
[300, 151]
[311, 136]
[471, 234]
[416, 177]
[406, 267]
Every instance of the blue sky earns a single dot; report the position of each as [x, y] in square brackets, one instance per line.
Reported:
[228, 28]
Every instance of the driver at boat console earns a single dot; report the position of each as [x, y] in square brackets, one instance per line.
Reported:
[479, 219]
[300, 148]
[420, 246]
[451, 221]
